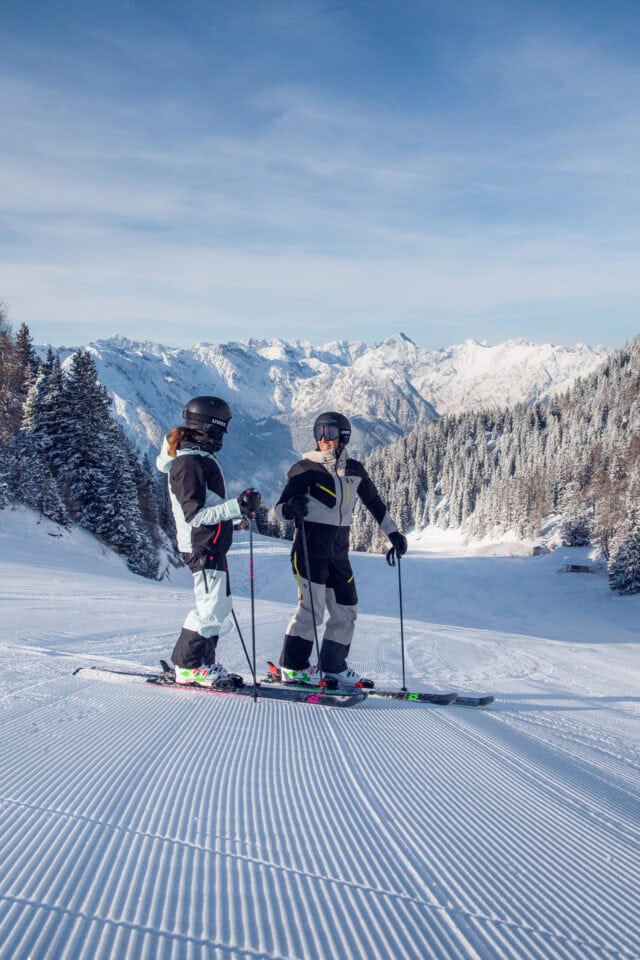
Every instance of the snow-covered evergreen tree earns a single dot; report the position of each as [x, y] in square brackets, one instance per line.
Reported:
[47, 410]
[116, 515]
[9, 403]
[28, 475]
[84, 449]
[577, 529]
[18, 364]
[27, 356]
[98, 473]
[30, 479]
[624, 567]
[577, 525]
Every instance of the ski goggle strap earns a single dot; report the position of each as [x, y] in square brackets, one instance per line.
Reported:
[326, 431]
[223, 424]
[208, 422]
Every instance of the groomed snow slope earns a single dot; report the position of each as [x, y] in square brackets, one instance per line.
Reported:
[144, 823]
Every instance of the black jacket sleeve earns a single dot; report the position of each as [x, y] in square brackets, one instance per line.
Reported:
[296, 486]
[300, 478]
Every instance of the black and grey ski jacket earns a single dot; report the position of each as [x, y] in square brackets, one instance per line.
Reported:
[332, 486]
[202, 513]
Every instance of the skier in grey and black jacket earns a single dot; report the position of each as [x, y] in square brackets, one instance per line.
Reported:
[204, 524]
[321, 492]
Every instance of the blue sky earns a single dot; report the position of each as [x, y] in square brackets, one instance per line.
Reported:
[195, 171]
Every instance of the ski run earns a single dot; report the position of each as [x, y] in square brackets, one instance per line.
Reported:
[145, 825]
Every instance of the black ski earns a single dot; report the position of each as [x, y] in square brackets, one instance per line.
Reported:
[473, 699]
[441, 698]
[163, 680]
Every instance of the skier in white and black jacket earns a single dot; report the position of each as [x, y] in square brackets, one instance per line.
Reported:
[321, 492]
[204, 524]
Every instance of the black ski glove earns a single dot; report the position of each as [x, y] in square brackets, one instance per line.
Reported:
[399, 547]
[296, 508]
[249, 501]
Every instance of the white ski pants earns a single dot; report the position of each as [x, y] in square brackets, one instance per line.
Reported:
[213, 603]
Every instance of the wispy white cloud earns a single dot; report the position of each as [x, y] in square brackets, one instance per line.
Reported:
[292, 204]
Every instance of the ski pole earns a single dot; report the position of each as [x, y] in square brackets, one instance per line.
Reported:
[391, 560]
[404, 686]
[244, 646]
[253, 610]
[305, 552]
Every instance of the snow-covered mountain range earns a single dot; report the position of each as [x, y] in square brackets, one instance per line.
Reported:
[276, 388]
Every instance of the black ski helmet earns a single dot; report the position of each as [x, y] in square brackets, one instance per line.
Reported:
[336, 420]
[209, 414]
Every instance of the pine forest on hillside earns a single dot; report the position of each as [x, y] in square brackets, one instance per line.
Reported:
[64, 455]
[574, 459]
[572, 463]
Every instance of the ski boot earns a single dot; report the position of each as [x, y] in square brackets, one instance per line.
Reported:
[211, 675]
[309, 677]
[347, 679]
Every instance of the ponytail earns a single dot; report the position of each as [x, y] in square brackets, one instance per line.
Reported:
[175, 438]
[178, 434]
